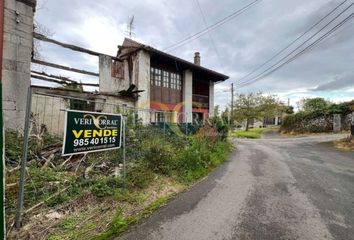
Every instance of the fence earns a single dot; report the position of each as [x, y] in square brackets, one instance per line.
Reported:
[45, 174]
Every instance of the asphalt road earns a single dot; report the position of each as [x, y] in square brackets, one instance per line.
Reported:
[272, 188]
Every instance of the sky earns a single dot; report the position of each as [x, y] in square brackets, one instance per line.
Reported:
[235, 48]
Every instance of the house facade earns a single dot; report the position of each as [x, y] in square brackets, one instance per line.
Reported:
[173, 89]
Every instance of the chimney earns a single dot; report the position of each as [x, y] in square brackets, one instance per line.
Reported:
[197, 58]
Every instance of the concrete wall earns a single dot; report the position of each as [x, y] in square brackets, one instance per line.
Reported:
[141, 77]
[49, 111]
[187, 95]
[211, 99]
[108, 83]
[18, 31]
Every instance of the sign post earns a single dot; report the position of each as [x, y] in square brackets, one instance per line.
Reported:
[86, 132]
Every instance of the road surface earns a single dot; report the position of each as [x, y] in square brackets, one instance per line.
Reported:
[272, 188]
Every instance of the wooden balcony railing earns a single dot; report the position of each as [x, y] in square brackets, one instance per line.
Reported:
[200, 101]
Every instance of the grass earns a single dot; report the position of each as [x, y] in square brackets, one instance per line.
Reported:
[253, 133]
[120, 223]
[346, 144]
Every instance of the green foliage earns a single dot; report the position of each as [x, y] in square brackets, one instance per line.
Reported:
[106, 186]
[68, 223]
[221, 126]
[315, 105]
[199, 156]
[140, 176]
[54, 237]
[289, 109]
[120, 223]
[316, 116]
[57, 199]
[125, 195]
[13, 146]
[150, 152]
[159, 155]
[341, 108]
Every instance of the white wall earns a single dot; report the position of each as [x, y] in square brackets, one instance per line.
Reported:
[187, 95]
[109, 84]
[141, 76]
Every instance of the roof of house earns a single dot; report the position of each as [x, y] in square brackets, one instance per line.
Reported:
[130, 46]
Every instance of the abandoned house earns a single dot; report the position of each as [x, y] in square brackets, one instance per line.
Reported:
[157, 86]
[179, 91]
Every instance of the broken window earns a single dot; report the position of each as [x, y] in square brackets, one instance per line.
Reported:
[117, 69]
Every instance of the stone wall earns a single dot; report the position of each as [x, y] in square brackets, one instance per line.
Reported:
[18, 31]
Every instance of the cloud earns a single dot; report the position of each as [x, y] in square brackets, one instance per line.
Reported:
[243, 43]
[340, 82]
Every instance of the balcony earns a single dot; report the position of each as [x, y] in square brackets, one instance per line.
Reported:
[200, 101]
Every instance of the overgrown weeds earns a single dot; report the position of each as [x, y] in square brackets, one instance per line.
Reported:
[151, 153]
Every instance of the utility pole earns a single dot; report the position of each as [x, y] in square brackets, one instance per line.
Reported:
[232, 104]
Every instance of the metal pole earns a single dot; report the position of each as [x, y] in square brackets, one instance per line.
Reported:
[232, 104]
[124, 151]
[186, 123]
[24, 160]
[164, 123]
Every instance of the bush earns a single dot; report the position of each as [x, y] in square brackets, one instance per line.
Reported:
[221, 127]
[159, 155]
[140, 176]
[107, 186]
[199, 156]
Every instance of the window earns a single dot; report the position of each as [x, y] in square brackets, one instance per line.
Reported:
[173, 80]
[179, 82]
[166, 79]
[155, 77]
[159, 117]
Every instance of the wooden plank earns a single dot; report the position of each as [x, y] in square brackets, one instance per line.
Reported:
[53, 76]
[61, 81]
[70, 46]
[54, 65]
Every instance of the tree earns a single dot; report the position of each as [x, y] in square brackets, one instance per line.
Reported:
[216, 110]
[344, 108]
[255, 106]
[289, 109]
[225, 115]
[315, 105]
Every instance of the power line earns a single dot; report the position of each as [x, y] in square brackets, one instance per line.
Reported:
[306, 41]
[311, 46]
[210, 36]
[291, 43]
[211, 27]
